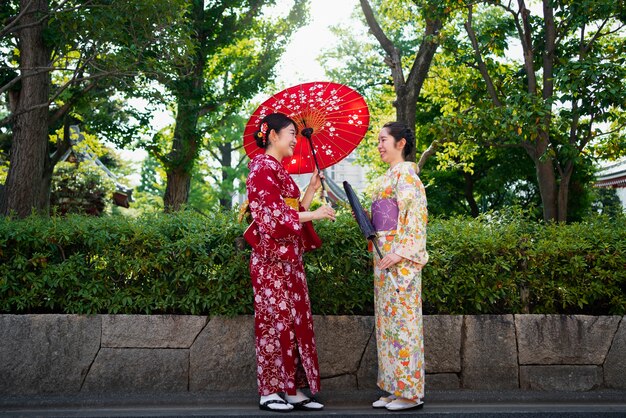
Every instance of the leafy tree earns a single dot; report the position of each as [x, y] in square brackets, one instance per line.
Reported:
[607, 202]
[58, 55]
[233, 49]
[560, 108]
[149, 183]
[225, 164]
[565, 94]
[429, 17]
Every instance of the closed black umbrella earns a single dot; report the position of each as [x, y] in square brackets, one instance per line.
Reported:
[365, 224]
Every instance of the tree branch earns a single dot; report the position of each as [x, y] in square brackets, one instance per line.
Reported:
[242, 159]
[550, 49]
[482, 67]
[376, 30]
[10, 27]
[9, 118]
[423, 59]
[62, 146]
[213, 154]
[585, 48]
[430, 151]
[394, 57]
[527, 47]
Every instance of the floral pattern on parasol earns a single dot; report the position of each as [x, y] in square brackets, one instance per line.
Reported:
[337, 115]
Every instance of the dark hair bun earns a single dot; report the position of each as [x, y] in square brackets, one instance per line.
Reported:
[400, 130]
[260, 139]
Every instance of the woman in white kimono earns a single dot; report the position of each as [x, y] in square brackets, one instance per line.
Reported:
[399, 216]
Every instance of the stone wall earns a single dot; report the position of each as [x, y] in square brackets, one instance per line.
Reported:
[134, 353]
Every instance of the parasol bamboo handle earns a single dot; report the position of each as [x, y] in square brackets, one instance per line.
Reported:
[380, 255]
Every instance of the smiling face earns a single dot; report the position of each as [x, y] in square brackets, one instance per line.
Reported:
[284, 141]
[390, 151]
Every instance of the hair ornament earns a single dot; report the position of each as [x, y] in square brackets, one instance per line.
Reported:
[263, 128]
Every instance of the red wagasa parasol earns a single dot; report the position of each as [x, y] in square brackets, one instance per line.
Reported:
[332, 119]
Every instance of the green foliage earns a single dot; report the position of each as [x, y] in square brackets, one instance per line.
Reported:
[152, 264]
[486, 265]
[185, 263]
[480, 133]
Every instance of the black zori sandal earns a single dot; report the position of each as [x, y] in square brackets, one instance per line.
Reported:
[305, 405]
[265, 406]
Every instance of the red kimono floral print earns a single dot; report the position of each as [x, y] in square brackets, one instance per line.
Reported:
[285, 341]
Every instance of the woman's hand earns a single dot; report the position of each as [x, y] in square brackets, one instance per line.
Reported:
[316, 180]
[324, 212]
[389, 260]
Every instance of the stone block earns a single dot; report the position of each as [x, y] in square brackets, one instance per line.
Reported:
[564, 339]
[137, 370]
[615, 364]
[442, 343]
[340, 383]
[560, 378]
[151, 331]
[367, 374]
[46, 353]
[223, 356]
[341, 342]
[442, 381]
[489, 353]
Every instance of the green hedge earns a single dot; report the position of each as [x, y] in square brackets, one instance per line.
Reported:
[188, 264]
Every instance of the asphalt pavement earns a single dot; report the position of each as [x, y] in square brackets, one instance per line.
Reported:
[457, 403]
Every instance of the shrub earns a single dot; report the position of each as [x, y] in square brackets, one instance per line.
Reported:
[80, 188]
[187, 264]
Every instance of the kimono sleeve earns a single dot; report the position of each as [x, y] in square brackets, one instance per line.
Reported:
[270, 212]
[410, 239]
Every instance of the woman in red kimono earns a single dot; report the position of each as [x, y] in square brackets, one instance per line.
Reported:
[279, 234]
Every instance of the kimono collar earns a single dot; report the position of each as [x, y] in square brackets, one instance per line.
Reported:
[265, 157]
[403, 167]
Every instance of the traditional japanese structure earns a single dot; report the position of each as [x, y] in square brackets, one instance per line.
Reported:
[614, 176]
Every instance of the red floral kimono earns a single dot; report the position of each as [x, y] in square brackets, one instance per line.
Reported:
[285, 341]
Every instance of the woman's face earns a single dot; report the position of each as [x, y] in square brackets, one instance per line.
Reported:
[390, 151]
[284, 141]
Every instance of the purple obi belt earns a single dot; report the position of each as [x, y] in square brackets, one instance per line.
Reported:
[385, 214]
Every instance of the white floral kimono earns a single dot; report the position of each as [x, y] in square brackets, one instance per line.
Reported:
[399, 215]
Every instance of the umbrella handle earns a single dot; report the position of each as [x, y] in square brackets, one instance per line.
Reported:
[307, 133]
[380, 255]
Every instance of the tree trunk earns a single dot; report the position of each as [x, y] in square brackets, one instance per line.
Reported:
[182, 157]
[469, 195]
[407, 90]
[406, 109]
[547, 188]
[226, 198]
[546, 177]
[23, 188]
[177, 189]
[563, 196]
[406, 105]
[188, 91]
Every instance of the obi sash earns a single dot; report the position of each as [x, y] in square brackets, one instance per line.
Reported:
[385, 214]
[310, 239]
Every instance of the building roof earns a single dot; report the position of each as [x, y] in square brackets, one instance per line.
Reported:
[613, 175]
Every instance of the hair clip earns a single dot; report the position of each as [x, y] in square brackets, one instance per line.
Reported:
[263, 128]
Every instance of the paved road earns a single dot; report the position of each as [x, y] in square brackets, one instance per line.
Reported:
[447, 404]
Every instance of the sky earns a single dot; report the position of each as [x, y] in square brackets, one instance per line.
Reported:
[299, 63]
